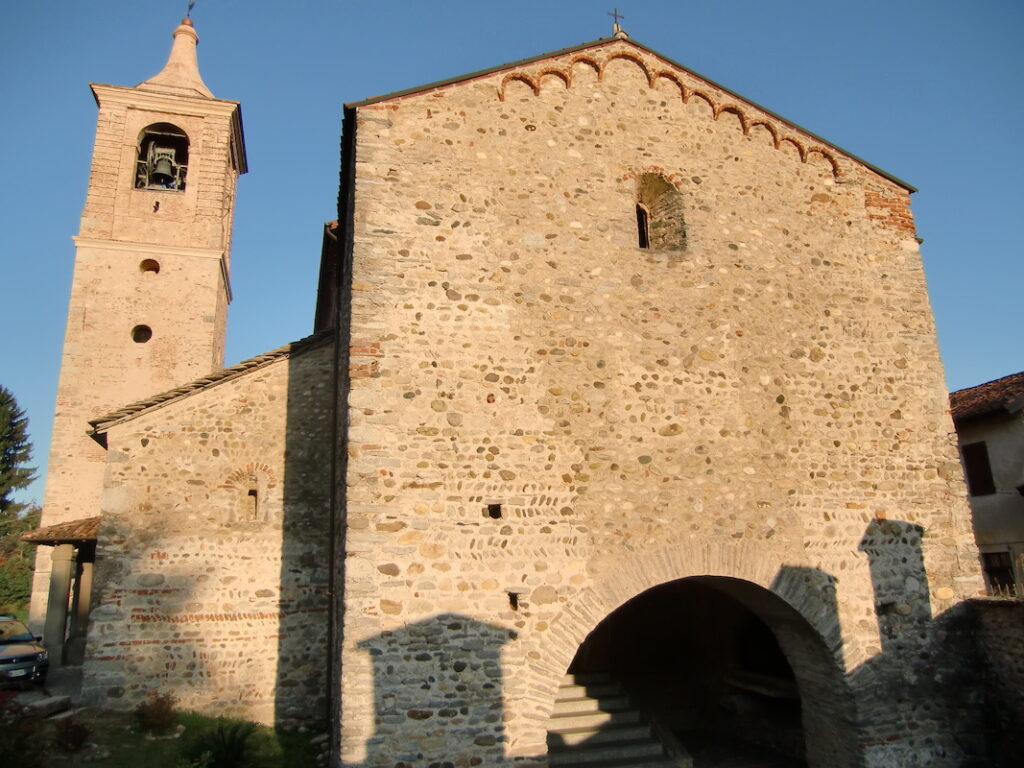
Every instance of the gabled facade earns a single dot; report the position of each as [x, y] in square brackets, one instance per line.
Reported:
[621, 377]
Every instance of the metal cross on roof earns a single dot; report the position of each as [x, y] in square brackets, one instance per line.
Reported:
[191, 5]
[616, 16]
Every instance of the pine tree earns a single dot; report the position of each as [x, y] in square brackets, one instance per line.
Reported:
[15, 452]
[15, 518]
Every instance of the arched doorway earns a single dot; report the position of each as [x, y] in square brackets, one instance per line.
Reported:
[721, 668]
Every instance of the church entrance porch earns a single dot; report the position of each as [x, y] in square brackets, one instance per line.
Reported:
[704, 671]
[70, 587]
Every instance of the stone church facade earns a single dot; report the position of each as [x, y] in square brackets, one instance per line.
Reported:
[614, 372]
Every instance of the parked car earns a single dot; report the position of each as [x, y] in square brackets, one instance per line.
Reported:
[22, 655]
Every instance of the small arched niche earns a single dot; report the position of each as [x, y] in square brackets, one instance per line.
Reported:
[162, 162]
[660, 219]
[249, 501]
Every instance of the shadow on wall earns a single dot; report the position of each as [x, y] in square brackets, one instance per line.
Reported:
[922, 697]
[301, 692]
[438, 690]
[443, 677]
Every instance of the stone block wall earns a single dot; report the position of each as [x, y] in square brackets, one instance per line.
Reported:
[211, 573]
[1000, 639]
[546, 419]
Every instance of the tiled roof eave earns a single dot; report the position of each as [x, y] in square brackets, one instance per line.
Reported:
[103, 423]
[70, 532]
[1004, 395]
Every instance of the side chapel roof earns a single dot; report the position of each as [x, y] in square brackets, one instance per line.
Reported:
[1005, 394]
[70, 532]
[622, 40]
[103, 423]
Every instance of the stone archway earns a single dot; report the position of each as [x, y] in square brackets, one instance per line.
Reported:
[794, 605]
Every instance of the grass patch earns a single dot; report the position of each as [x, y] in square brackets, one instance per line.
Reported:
[130, 747]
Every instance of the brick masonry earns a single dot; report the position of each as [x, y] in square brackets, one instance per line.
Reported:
[187, 236]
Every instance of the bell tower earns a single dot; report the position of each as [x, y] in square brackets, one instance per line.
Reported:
[151, 283]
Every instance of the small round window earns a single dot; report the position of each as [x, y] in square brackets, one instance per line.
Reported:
[141, 334]
[149, 267]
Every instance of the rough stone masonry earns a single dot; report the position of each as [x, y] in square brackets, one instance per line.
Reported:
[601, 325]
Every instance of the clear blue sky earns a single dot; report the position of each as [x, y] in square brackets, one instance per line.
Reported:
[929, 90]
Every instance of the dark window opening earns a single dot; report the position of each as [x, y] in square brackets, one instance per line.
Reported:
[513, 600]
[643, 227]
[493, 511]
[149, 266]
[141, 334]
[660, 219]
[254, 504]
[998, 572]
[978, 469]
[162, 162]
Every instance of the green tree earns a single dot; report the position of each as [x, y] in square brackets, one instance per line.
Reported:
[15, 453]
[16, 518]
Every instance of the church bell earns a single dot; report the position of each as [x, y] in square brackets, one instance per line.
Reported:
[162, 172]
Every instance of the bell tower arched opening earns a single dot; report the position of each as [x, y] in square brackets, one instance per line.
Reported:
[162, 161]
[714, 667]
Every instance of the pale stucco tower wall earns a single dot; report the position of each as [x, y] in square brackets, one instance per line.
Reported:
[151, 286]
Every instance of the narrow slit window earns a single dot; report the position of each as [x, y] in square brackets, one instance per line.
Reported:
[643, 227]
[254, 504]
[493, 511]
[660, 214]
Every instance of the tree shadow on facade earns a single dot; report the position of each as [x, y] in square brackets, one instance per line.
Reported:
[437, 693]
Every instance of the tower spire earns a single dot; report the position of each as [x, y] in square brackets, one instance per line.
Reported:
[180, 74]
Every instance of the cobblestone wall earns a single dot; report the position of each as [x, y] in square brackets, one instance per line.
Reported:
[212, 565]
[541, 408]
[1000, 636]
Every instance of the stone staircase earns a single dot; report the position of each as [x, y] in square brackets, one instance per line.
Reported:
[595, 725]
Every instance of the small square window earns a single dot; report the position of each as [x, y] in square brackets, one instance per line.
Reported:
[998, 569]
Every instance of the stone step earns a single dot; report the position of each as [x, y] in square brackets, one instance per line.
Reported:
[605, 752]
[568, 721]
[67, 713]
[629, 762]
[587, 678]
[588, 704]
[596, 735]
[48, 706]
[594, 690]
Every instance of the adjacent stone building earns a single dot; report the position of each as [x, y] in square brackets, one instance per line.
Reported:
[615, 374]
[989, 422]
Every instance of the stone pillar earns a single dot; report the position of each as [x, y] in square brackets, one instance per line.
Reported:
[74, 651]
[57, 603]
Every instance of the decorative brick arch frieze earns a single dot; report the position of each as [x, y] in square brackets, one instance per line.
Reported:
[748, 116]
[808, 592]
